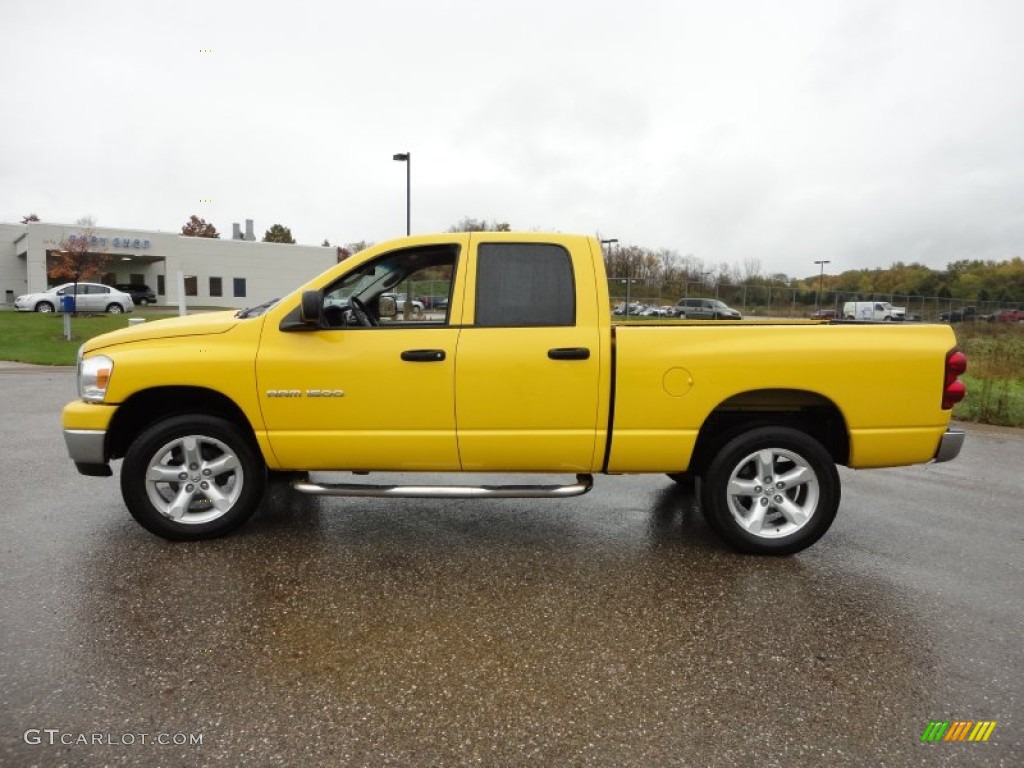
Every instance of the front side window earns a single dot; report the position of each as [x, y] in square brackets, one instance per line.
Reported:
[410, 287]
[524, 284]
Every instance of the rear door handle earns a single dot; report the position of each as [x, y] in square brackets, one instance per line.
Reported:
[569, 353]
[423, 355]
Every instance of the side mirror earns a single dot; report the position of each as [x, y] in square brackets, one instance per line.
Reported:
[387, 306]
[311, 307]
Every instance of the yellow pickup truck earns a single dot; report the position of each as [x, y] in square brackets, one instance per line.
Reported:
[521, 372]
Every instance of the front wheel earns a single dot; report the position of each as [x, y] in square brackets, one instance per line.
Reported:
[192, 477]
[771, 491]
[115, 309]
[44, 306]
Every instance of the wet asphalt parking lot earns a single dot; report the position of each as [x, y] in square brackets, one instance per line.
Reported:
[608, 630]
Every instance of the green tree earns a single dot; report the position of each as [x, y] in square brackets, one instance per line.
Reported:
[197, 227]
[278, 234]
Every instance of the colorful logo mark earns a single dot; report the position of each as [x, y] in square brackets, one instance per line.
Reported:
[958, 730]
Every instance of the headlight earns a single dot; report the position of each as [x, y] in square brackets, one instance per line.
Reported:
[93, 377]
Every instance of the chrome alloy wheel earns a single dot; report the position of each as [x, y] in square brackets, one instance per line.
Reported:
[194, 479]
[772, 493]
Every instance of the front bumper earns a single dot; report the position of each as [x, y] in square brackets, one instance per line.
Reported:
[950, 444]
[85, 435]
[86, 449]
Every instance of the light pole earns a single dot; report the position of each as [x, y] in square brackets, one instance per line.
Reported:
[821, 277]
[611, 243]
[406, 157]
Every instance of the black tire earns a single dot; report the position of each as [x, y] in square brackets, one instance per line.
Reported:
[142, 302]
[115, 309]
[223, 457]
[44, 306]
[769, 519]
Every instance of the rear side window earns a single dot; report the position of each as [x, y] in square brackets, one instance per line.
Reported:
[524, 284]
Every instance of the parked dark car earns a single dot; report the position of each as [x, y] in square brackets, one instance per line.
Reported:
[140, 293]
[435, 302]
[959, 315]
[823, 314]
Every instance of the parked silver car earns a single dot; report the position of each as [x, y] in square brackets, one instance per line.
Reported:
[90, 297]
[706, 309]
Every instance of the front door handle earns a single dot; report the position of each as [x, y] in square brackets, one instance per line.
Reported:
[423, 355]
[569, 353]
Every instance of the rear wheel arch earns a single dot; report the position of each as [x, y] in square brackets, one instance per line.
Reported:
[804, 411]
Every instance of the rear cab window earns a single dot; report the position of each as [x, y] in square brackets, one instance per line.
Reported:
[524, 284]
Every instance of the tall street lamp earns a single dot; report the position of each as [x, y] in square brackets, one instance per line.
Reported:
[406, 157]
[821, 277]
[610, 243]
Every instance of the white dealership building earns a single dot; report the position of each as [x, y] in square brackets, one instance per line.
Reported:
[211, 272]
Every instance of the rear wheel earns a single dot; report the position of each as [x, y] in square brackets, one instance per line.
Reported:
[192, 477]
[771, 490]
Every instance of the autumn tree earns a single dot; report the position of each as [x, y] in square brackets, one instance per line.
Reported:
[278, 234]
[77, 256]
[197, 227]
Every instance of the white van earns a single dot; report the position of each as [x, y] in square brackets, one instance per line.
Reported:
[873, 310]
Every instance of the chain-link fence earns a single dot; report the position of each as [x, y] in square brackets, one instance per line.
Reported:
[785, 302]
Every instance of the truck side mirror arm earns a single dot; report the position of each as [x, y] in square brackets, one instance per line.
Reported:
[308, 316]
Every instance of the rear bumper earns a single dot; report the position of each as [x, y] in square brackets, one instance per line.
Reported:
[950, 444]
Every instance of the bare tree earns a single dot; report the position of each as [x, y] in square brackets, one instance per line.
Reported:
[469, 224]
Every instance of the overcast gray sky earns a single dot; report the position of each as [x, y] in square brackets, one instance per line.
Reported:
[859, 131]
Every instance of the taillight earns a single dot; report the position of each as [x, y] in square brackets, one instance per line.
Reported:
[953, 390]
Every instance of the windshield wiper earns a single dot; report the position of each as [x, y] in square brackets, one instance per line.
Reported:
[259, 309]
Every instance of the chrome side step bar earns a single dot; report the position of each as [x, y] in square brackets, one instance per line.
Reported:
[583, 484]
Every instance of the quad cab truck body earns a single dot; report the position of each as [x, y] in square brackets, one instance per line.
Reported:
[523, 372]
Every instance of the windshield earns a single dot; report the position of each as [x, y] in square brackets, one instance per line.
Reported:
[370, 280]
